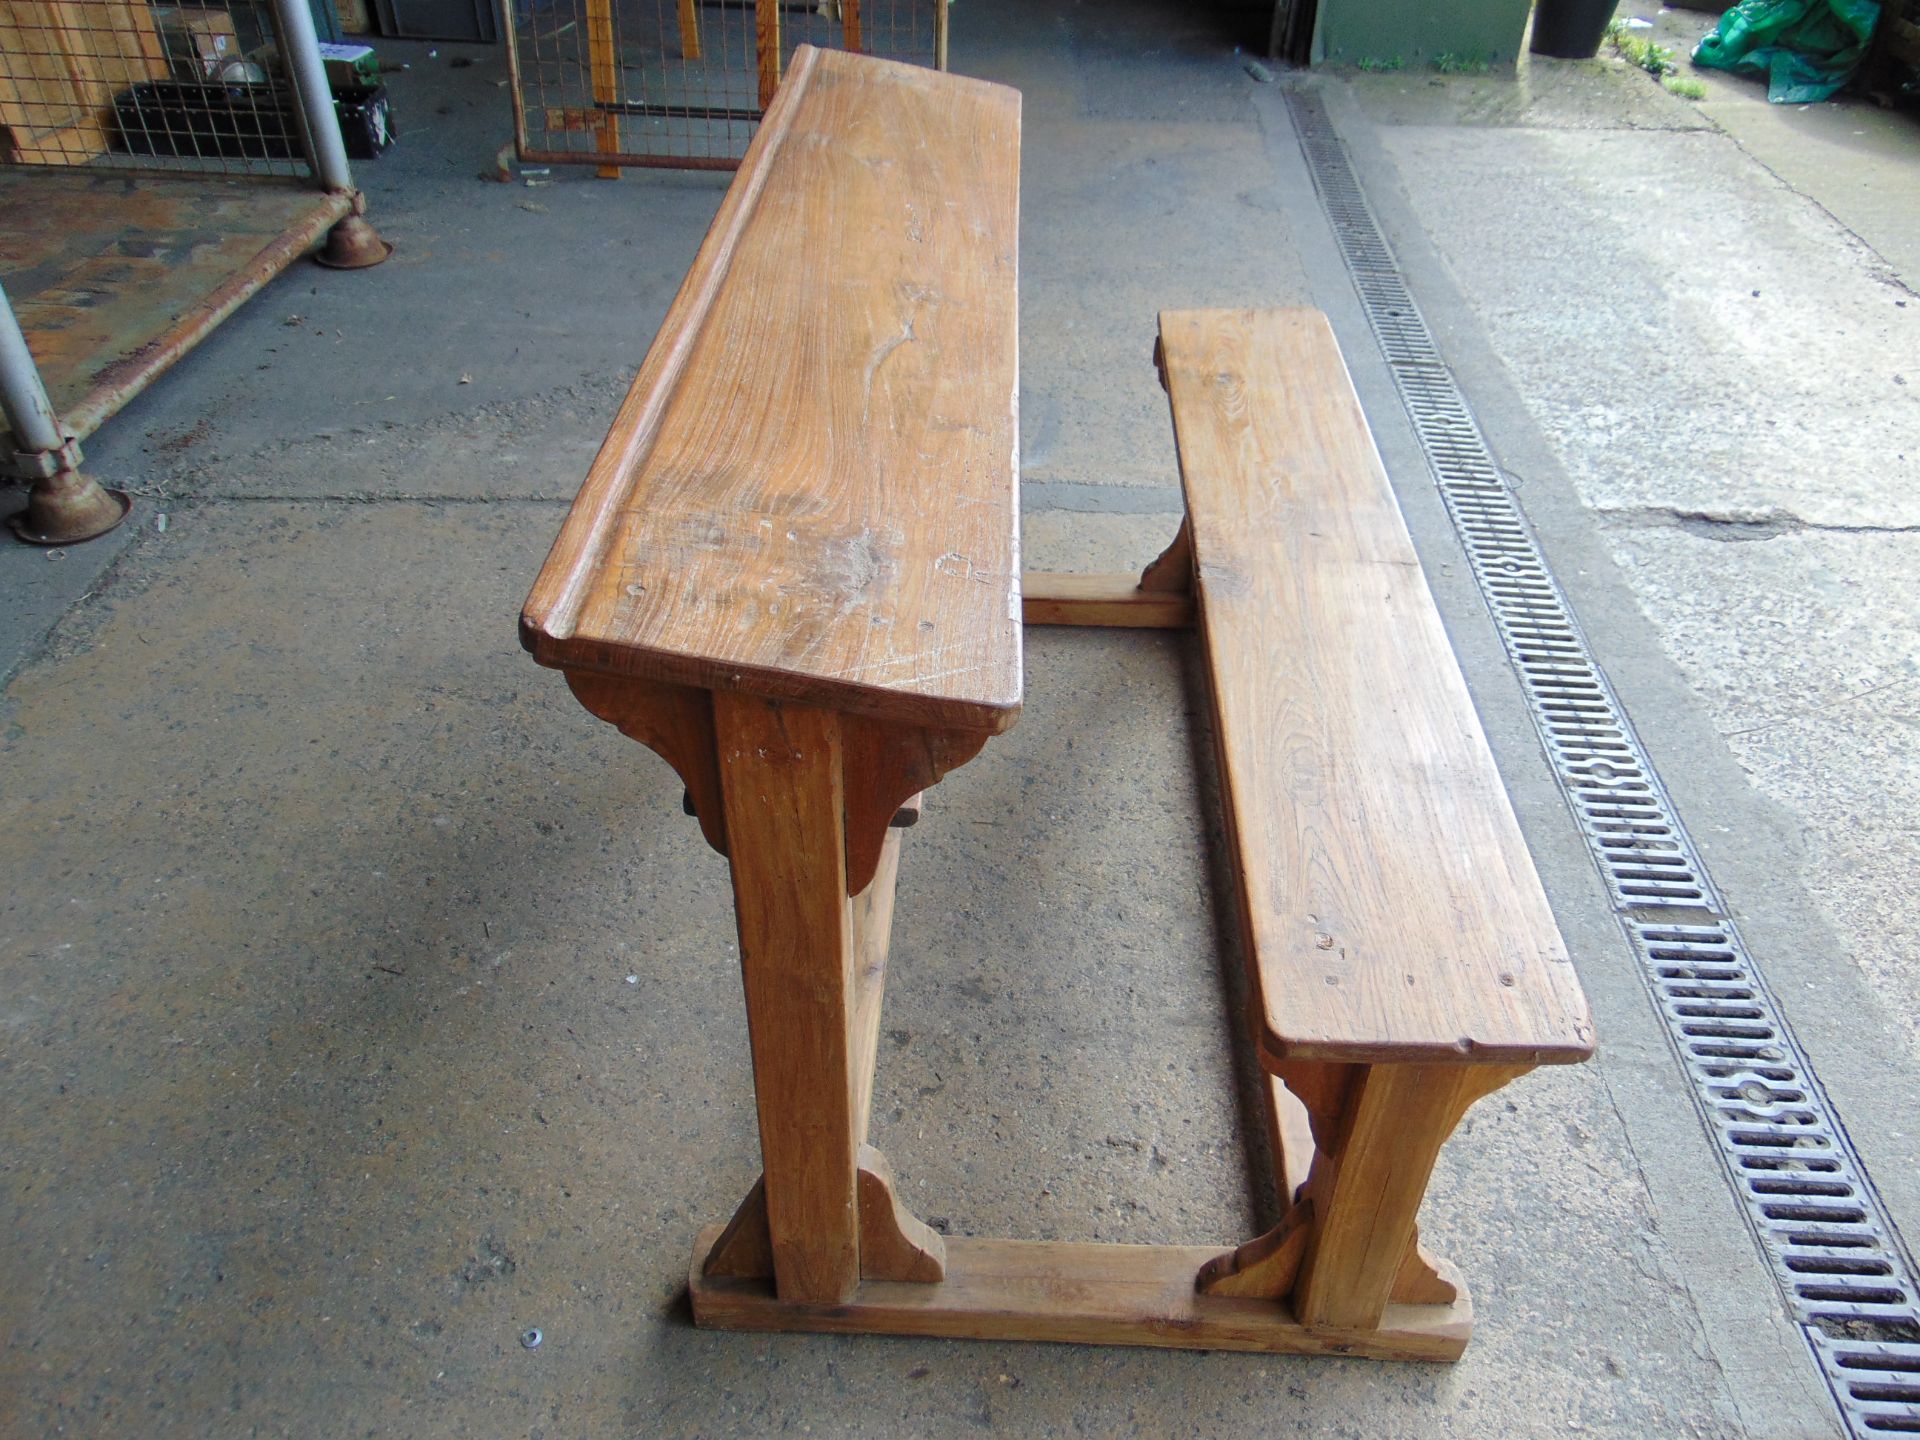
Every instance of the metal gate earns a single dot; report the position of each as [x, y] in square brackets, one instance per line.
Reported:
[681, 83]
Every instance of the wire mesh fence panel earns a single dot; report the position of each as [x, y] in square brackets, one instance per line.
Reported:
[682, 82]
[125, 83]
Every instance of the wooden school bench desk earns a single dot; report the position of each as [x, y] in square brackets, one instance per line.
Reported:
[794, 572]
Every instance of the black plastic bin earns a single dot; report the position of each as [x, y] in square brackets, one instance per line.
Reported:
[1570, 29]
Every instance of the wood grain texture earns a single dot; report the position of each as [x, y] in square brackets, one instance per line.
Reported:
[1172, 569]
[744, 1246]
[766, 45]
[1392, 907]
[1059, 598]
[780, 774]
[872, 921]
[1082, 1294]
[886, 765]
[1368, 1184]
[1424, 1279]
[809, 492]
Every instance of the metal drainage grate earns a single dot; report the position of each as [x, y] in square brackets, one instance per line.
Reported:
[1846, 1279]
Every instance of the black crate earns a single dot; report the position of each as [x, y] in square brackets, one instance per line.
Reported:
[366, 120]
[242, 122]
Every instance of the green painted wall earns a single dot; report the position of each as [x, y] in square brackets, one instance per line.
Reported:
[1346, 32]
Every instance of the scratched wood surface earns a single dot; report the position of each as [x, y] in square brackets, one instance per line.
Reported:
[809, 492]
[1393, 909]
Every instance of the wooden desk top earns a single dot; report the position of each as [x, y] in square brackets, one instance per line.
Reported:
[810, 491]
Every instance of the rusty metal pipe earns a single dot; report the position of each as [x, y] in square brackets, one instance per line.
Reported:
[119, 382]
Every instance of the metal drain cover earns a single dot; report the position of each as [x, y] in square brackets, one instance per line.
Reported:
[1813, 1211]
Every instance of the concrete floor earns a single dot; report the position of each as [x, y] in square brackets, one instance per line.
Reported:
[366, 1002]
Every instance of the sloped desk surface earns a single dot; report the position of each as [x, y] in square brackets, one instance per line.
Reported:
[810, 491]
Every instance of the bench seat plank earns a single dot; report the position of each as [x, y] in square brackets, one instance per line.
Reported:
[1393, 911]
[809, 492]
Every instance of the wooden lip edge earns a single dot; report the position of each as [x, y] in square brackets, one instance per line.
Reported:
[560, 588]
[885, 703]
[1421, 1333]
[835, 59]
[1468, 1051]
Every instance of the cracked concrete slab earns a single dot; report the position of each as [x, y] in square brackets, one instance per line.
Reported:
[1691, 333]
[1789, 645]
[1734, 526]
[1754, 469]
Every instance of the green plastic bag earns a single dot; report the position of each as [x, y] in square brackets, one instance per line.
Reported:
[1806, 49]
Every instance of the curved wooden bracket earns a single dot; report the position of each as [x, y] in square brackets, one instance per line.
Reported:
[1323, 1091]
[895, 1244]
[1378, 1129]
[885, 766]
[673, 721]
[1424, 1279]
[1263, 1268]
[1172, 569]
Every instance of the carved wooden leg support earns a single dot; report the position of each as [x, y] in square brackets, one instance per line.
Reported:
[894, 1243]
[782, 786]
[824, 1215]
[802, 802]
[1350, 1247]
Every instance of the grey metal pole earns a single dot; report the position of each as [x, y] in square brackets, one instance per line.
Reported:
[29, 412]
[64, 507]
[352, 244]
[300, 53]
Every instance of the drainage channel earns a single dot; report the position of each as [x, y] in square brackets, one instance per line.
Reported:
[1813, 1210]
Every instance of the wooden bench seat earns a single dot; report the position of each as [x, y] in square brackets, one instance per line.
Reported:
[1392, 909]
[793, 571]
[1402, 960]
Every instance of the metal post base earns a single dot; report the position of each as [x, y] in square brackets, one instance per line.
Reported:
[67, 507]
[353, 244]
